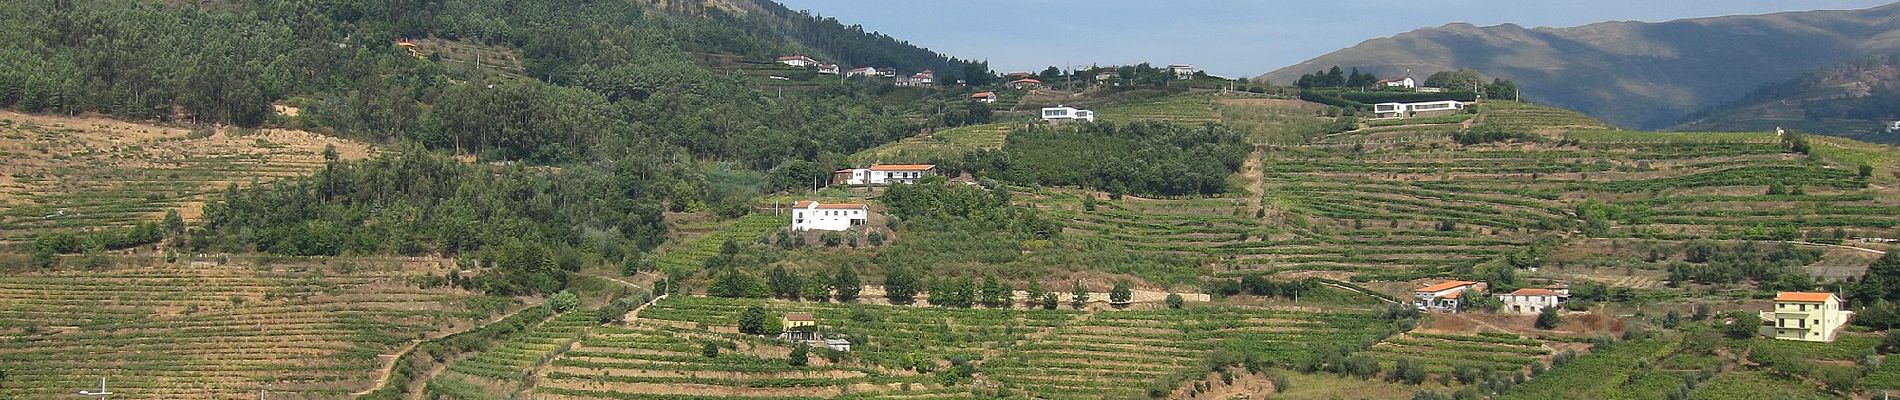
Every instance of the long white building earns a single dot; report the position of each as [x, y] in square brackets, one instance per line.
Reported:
[1421, 109]
[811, 215]
[884, 174]
[1066, 113]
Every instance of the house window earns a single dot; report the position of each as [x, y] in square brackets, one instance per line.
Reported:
[1803, 307]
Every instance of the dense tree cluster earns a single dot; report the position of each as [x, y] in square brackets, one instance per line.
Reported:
[1141, 158]
[610, 77]
[1773, 266]
[528, 222]
[1337, 78]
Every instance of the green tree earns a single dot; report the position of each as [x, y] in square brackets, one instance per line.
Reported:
[709, 350]
[1548, 319]
[564, 301]
[1122, 293]
[1742, 325]
[174, 224]
[784, 284]
[994, 293]
[1079, 296]
[1174, 301]
[801, 355]
[752, 320]
[816, 288]
[1890, 345]
[847, 284]
[900, 286]
[1866, 171]
[1050, 300]
[1034, 293]
[329, 152]
[734, 283]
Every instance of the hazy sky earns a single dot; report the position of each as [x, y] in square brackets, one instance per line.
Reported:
[1226, 37]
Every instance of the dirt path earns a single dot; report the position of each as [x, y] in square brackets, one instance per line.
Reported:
[1356, 290]
[389, 364]
[1256, 179]
[1838, 246]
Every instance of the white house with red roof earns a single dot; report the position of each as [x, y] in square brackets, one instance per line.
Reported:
[984, 97]
[1533, 300]
[864, 71]
[1444, 296]
[811, 215]
[1403, 82]
[1805, 316]
[884, 174]
[1025, 83]
[797, 61]
[828, 69]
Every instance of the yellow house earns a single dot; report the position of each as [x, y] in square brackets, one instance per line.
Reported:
[795, 320]
[1812, 317]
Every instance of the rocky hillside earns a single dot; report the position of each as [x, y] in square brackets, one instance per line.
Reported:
[1854, 99]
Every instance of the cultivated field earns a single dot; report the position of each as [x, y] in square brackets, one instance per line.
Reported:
[209, 329]
[79, 173]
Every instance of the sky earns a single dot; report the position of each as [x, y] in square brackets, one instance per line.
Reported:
[1226, 37]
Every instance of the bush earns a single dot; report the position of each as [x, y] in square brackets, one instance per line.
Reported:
[709, 350]
[801, 355]
[1174, 303]
[1742, 325]
[1548, 319]
[564, 301]
[752, 321]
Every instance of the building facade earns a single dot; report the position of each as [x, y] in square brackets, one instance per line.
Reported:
[1532, 300]
[1421, 109]
[1065, 113]
[1445, 296]
[811, 215]
[1805, 316]
[883, 174]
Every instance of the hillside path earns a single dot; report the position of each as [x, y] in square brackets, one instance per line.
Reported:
[1840, 246]
[389, 363]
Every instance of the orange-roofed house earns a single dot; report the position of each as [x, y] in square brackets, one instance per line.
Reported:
[1805, 316]
[884, 174]
[1025, 83]
[1444, 296]
[984, 97]
[812, 215]
[1533, 300]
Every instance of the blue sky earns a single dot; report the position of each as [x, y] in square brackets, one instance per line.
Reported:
[1226, 37]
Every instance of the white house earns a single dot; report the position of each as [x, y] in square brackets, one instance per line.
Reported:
[1445, 295]
[838, 344]
[884, 174]
[1811, 317]
[1181, 71]
[797, 61]
[919, 79]
[828, 69]
[984, 97]
[811, 215]
[1420, 109]
[1405, 82]
[864, 71]
[1532, 300]
[1066, 113]
[1025, 83]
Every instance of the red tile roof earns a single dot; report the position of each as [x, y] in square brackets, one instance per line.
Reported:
[1026, 80]
[1534, 292]
[1803, 297]
[799, 317]
[1443, 286]
[903, 167]
[983, 95]
[1454, 295]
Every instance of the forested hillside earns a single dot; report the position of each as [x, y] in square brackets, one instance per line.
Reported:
[1854, 99]
[604, 75]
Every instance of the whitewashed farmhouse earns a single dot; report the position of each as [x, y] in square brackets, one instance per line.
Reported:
[1810, 317]
[884, 174]
[1445, 296]
[811, 215]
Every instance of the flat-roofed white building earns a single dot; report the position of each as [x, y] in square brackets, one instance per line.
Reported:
[1066, 113]
[812, 215]
[1420, 109]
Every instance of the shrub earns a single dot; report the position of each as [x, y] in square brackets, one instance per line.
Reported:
[564, 301]
[801, 355]
[1548, 319]
[1742, 325]
[752, 320]
[1174, 303]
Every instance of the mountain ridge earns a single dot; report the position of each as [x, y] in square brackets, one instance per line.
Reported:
[1635, 74]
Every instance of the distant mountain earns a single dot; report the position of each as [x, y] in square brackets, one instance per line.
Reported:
[1634, 74]
[1854, 99]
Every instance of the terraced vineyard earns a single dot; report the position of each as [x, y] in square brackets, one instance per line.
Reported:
[503, 368]
[1047, 353]
[68, 173]
[1440, 353]
[1120, 354]
[689, 254]
[947, 144]
[1189, 109]
[205, 330]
